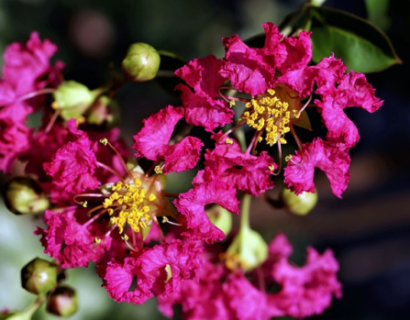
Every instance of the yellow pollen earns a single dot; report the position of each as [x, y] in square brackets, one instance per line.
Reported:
[158, 170]
[268, 113]
[131, 201]
[84, 204]
[104, 141]
[125, 237]
[97, 240]
[228, 141]
[287, 158]
[232, 103]
[271, 168]
[54, 105]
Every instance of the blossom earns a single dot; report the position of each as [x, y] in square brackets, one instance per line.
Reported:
[333, 159]
[159, 271]
[153, 139]
[26, 70]
[70, 238]
[242, 170]
[202, 108]
[73, 166]
[306, 290]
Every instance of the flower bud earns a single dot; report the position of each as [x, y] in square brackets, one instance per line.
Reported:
[24, 196]
[73, 99]
[301, 204]
[141, 62]
[221, 218]
[249, 248]
[104, 112]
[39, 276]
[62, 302]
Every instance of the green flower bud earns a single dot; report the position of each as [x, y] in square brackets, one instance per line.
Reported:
[141, 62]
[63, 302]
[24, 196]
[39, 276]
[221, 218]
[73, 99]
[301, 204]
[249, 248]
[104, 112]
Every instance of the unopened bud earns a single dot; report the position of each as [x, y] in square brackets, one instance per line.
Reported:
[73, 99]
[249, 248]
[104, 112]
[301, 204]
[141, 62]
[24, 196]
[62, 302]
[221, 218]
[39, 276]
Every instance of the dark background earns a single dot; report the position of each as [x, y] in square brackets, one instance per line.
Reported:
[369, 230]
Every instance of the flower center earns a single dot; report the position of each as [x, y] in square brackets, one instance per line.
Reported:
[268, 112]
[129, 204]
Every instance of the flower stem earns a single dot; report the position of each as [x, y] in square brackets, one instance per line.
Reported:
[245, 209]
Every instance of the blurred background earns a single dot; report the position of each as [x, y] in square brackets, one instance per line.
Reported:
[369, 230]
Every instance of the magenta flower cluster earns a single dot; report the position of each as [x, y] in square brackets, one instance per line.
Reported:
[105, 209]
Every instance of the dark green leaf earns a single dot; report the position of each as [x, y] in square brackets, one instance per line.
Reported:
[362, 46]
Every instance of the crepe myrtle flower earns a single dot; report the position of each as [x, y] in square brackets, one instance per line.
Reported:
[223, 292]
[26, 74]
[116, 197]
[280, 85]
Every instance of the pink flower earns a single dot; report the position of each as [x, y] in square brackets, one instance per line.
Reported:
[191, 205]
[71, 239]
[202, 108]
[331, 158]
[26, 63]
[253, 70]
[306, 290]
[202, 299]
[152, 142]
[242, 170]
[159, 272]
[14, 140]
[73, 166]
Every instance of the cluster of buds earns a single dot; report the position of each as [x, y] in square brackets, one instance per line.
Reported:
[102, 206]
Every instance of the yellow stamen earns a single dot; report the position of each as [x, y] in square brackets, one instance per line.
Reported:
[228, 141]
[104, 141]
[158, 170]
[97, 240]
[269, 113]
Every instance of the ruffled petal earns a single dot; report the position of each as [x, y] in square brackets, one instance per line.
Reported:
[244, 171]
[191, 204]
[333, 159]
[73, 166]
[152, 141]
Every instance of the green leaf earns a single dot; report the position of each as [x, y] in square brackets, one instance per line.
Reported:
[377, 12]
[166, 77]
[362, 46]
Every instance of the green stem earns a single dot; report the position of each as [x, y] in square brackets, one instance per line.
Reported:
[245, 209]
[30, 310]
